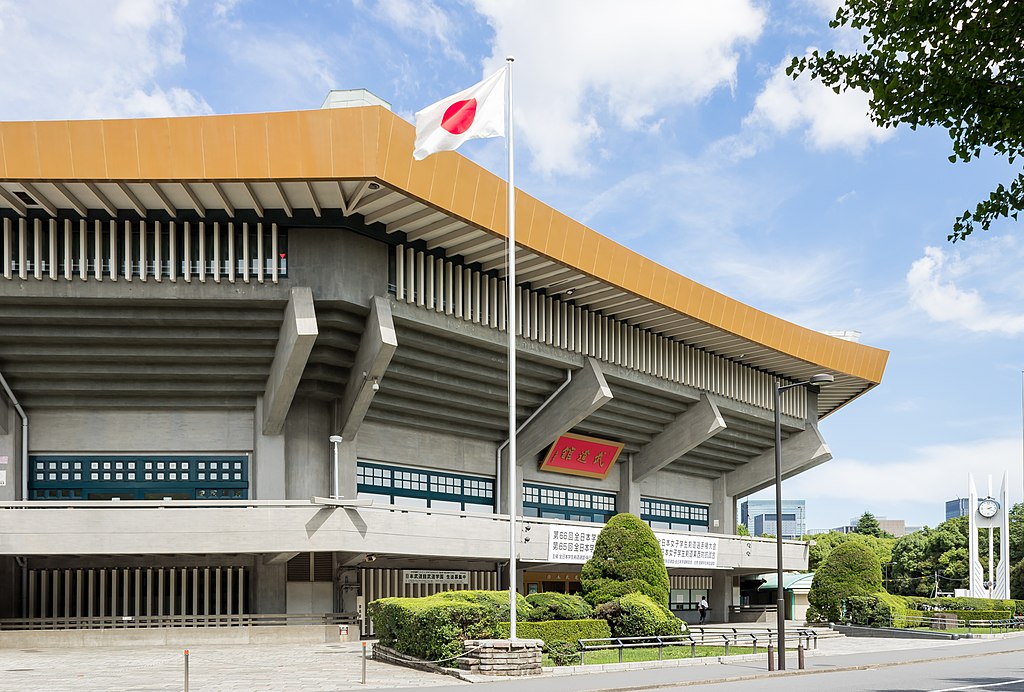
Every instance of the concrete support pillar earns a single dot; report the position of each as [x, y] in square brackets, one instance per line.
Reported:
[722, 513]
[347, 458]
[307, 449]
[270, 587]
[724, 593]
[628, 498]
[10, 588]
[10, 449]
[268, 468]
[503, 492]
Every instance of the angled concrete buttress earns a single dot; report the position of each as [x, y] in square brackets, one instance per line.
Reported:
[699, 423]
[376, 347]
[800, 452]
[298, 333]
[587, 392]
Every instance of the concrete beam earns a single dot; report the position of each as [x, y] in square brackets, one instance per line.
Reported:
[376, 347]
[277, 558]
[294, 343]
[5, 414]
[587, 392]
[800, 452]
[697, 424]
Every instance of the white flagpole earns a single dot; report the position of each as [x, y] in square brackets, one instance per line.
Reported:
[510, 280]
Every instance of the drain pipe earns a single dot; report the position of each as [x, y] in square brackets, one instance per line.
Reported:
[503, 445]
[24, 437]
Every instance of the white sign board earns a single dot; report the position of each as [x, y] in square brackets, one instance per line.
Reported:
[575, 545]
[436, 576]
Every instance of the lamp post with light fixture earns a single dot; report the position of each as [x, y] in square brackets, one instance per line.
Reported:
[780, 601]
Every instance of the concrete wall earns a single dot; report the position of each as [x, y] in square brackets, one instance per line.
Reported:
[338, 264]
[307, 449]
[123, 431]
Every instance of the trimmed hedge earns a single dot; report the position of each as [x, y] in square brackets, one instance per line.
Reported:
[972, 615]
[627, 559]
[962, 603]
[431, 628]
[637, 615]
[496, 602]
[552, 605]
[558, 630]
[850, 570]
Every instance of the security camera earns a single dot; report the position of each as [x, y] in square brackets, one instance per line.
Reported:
[376, 385]
[370, 558]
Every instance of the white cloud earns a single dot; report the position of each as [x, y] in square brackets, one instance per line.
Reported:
[950, 287]
[930, 474]
[91, 59]
[583, 68]
[285, 65]
[832, 121]
[424, 17]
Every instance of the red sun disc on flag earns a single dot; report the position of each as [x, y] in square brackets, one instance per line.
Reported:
[459, 116]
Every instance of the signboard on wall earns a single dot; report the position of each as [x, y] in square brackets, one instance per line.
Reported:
[579, 455]
[575, 545]
[443, 577]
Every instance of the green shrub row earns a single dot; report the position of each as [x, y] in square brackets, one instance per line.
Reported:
[636, 615]
[960, 603]
[887, 610]
[558, 630]
[430, 628]
[972, 615]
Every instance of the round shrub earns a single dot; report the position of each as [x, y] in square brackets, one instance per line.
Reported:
[627, 559]
[558, 606]
[636, 615]
[851, 569]
[496, 603]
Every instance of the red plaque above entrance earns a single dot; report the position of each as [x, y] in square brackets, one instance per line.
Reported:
[581, 456]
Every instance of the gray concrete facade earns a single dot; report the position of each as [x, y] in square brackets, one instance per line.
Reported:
[272, 371]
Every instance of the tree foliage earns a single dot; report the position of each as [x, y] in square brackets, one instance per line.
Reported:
[627, 559]
[945, 63]
[851, 570]
[822, 545]
[921, 558]
[868, 525]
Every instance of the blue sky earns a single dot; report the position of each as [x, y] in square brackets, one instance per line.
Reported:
[667, 126]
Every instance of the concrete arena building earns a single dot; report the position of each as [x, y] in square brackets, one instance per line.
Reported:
[193, 307]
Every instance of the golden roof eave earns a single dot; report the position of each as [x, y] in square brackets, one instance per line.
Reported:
[374, 144]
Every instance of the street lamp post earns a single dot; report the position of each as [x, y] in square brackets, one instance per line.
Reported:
[780, 595]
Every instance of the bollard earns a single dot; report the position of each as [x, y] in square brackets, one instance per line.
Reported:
[800, 656]
[186, 670]
[771, 657]
[364, 663]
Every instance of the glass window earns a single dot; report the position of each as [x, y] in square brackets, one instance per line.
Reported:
[409, 487]
[677, 516]
[551, 502]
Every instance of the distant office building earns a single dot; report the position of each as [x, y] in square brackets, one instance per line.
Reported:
[894, 527]
[956, 508]
[759, 517]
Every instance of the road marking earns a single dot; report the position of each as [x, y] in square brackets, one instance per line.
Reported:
[978, 687]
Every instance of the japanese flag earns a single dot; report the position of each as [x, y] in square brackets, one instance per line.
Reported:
[479, 111]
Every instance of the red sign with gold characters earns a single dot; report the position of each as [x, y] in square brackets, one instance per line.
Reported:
[581, 456]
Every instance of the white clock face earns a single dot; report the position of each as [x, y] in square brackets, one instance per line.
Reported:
[988, 508]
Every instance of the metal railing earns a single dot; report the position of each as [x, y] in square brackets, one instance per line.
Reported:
[150, 621]
[748, 638]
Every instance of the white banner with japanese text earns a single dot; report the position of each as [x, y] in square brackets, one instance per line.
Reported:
[445, 577]
[575, 545]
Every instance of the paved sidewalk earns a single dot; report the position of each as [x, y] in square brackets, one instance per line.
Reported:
[317, 667]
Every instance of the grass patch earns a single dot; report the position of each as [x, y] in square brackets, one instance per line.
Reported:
[638, 655]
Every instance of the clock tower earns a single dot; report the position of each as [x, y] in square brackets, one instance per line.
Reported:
[989, 513]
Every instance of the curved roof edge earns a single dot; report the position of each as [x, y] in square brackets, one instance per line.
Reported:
[373, 143]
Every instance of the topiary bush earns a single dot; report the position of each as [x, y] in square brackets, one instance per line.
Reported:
[430, 628]
[850, 570]
[558, 606]
[637, 615]
[627, 559]
[496, 602]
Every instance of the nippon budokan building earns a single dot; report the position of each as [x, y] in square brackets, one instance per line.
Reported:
[257, 364]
